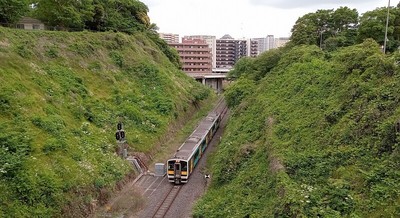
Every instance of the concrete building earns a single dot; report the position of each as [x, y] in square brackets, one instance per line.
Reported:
[229, 51]
[252, 46]
[169, 37]
[29, 23]
[195, 55]
[281, 41]
[212, 43]
[270, 42]
[261, 44]
[265, 44]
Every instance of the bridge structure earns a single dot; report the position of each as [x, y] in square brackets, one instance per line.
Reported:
[213, 80]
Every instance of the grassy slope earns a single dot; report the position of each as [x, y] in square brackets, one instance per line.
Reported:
[315, 137]
[61, 95]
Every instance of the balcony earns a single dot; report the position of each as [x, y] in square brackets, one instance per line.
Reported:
[186, 49]
[183, 56]
[208, 61]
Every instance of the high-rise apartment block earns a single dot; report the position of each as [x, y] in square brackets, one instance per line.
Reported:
[206, 54]
[195, 55]
[253, 48]
[229, 51]
[169, 37]
[212, 43]
[270, 42]
[265, 44]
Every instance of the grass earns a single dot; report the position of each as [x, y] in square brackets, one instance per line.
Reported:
[313, 137]
[62, 95]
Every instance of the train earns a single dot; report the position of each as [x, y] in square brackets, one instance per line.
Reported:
[186, 158]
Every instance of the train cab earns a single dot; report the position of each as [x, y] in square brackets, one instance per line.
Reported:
[177, 171]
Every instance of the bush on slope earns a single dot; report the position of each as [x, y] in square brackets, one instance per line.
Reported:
[316, 138]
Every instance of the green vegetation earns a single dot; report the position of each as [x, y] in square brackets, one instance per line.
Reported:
[332, 29]
[315, 136]
[98, 15]
[12, 10]
[61, 96]
[127, 16]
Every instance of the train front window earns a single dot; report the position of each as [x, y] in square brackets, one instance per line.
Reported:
[177, 167]
[171, 165]
[184, 166]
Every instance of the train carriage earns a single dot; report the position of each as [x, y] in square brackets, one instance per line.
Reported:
[181, 166]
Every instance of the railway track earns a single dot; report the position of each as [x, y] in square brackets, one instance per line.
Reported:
[221, 107]
[163, 208]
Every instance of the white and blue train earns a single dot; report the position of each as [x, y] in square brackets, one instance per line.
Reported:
[181, 166]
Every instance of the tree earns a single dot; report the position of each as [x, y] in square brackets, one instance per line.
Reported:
[316, 28]
[153, 28]
[12, 10]
[244, 66]
[98, 15]
[344, 19]
[119, 15]
[67, 14]
[305, 30]
[373, 25]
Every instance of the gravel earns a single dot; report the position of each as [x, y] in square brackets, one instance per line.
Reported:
[192, 191]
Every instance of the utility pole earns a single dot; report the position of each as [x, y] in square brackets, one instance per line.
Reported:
[386, 29]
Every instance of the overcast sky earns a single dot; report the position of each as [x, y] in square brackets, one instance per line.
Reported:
[242, 18]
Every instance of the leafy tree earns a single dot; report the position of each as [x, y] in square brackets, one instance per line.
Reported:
[373, 25]
[153, 28]
[99, 15]
[316, 28]
[305, 30]
[344, 19]
[257, 68]
[119, 15]
[67, 14]
[171, 53]
[244, 66]
[237, 92]
[268, 60]
[12, 10]
[396, 31]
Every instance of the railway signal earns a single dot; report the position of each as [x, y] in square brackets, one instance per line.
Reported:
[120, 137]
[120, 133]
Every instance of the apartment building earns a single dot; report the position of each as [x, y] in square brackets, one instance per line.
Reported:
[195, 55]
[253, 48]
[265, 44]
[230, 50]
[212, 43]
[169, 37]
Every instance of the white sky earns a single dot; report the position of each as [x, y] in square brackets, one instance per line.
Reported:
[242, 18]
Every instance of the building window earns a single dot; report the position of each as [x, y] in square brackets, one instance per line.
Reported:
[20, 26]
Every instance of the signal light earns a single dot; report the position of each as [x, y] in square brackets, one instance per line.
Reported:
[118, 136]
